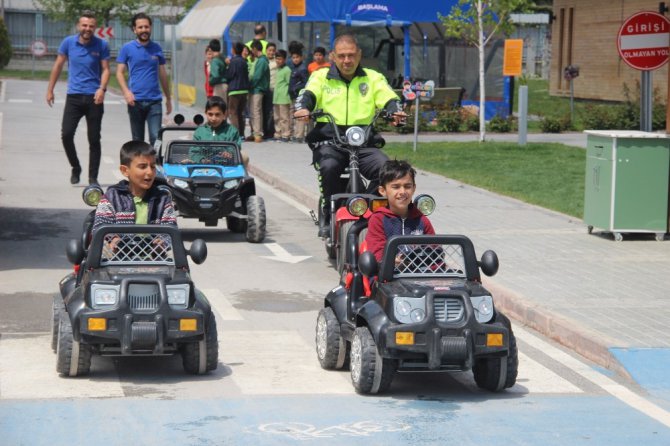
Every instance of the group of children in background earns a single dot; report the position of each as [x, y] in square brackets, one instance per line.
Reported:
[264, 82]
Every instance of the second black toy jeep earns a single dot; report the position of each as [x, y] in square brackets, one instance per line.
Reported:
[425, 310]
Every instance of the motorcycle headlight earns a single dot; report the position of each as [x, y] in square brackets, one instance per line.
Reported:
[355, 136]
[483, 306]
[178, 294]
[104, 295]
[357, 206]
[180, 183]
[425, 203]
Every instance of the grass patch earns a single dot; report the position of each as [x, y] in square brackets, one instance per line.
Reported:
[550, 175]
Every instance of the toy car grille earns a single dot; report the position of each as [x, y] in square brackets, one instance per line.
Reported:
[448, 309]
[188, 153]
[208, 191]
[429, 260]
[143, 296]
[137, 248]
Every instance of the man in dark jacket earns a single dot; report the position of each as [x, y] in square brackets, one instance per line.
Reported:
[238, 87]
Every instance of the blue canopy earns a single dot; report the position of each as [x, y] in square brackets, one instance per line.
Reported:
[396, 12]
[352, 13]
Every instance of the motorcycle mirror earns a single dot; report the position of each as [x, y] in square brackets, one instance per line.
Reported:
[178, 119]
[367, 264]
[74, 250]
[92, 195]
[198, 119]
[489, 263]
[198, 251]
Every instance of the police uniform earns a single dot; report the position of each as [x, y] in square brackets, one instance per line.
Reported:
[351, 103]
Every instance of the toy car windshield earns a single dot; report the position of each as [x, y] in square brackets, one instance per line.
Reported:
[203, 152]
[129, 248]
[428, 256]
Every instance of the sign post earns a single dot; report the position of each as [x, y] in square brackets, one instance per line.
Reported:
[38, 48]
[642, 42]
[513, 66]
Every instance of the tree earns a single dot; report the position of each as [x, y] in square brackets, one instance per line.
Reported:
[104, 10]
[5, 45]
[476, 22]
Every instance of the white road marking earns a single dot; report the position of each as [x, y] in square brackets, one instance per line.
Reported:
[282, 255]
[607, 384]
[28, 370]
[107, 159]
[224, 309]
[20, 101]
[282, 196]
[278, 362]
[535, 378]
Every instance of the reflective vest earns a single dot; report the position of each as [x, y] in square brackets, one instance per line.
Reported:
[354, 103]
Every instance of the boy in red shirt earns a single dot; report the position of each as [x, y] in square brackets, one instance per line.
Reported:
[401, 217]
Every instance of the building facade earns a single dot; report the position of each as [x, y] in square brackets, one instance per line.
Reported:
[584, 33]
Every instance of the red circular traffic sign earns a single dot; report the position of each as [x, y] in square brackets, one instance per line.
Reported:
[643, 40]
[38, 48]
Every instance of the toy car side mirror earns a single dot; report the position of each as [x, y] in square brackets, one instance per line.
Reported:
[178, 119]
[75, 251]
[367, 264]
[198, 119]
[489, 263]
[198, 251]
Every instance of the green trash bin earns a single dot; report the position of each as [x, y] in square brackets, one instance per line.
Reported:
[626, 182]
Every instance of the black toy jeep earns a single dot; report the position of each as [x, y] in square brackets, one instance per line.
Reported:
[426, 310]
[132, 294]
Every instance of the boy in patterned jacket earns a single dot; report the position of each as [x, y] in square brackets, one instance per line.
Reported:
[401, 217]
[137, 200]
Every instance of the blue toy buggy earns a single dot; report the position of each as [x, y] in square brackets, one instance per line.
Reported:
[209, 181]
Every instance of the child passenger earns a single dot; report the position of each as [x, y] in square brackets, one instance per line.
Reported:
[137, 199]
[217, 128]
[401, 217]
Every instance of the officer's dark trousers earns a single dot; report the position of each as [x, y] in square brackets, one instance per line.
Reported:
[330, 163]
[76, 107]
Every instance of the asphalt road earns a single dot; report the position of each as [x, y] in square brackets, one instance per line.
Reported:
[268, 387]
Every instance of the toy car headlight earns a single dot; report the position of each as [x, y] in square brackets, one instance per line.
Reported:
[229, 184]
[104, 295]
[357, 206]
[425, 203]
[178, 294]
[180, 183]
[409, 310]
[483, 306]
[92, 195]
[418, 315]
[355, 136]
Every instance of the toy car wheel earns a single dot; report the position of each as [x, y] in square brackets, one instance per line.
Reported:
[370, 373]
[57, 307]
[201, 357]
[496, 374]
[342, 245]
[73, 358]
[331, 348]
[237, 225]
[255, 219]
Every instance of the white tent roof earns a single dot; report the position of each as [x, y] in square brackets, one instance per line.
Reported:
[208, 18]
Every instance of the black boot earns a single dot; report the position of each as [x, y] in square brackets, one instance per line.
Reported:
[324, 224]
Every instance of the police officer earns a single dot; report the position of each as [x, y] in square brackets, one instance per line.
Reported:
[351, 94]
